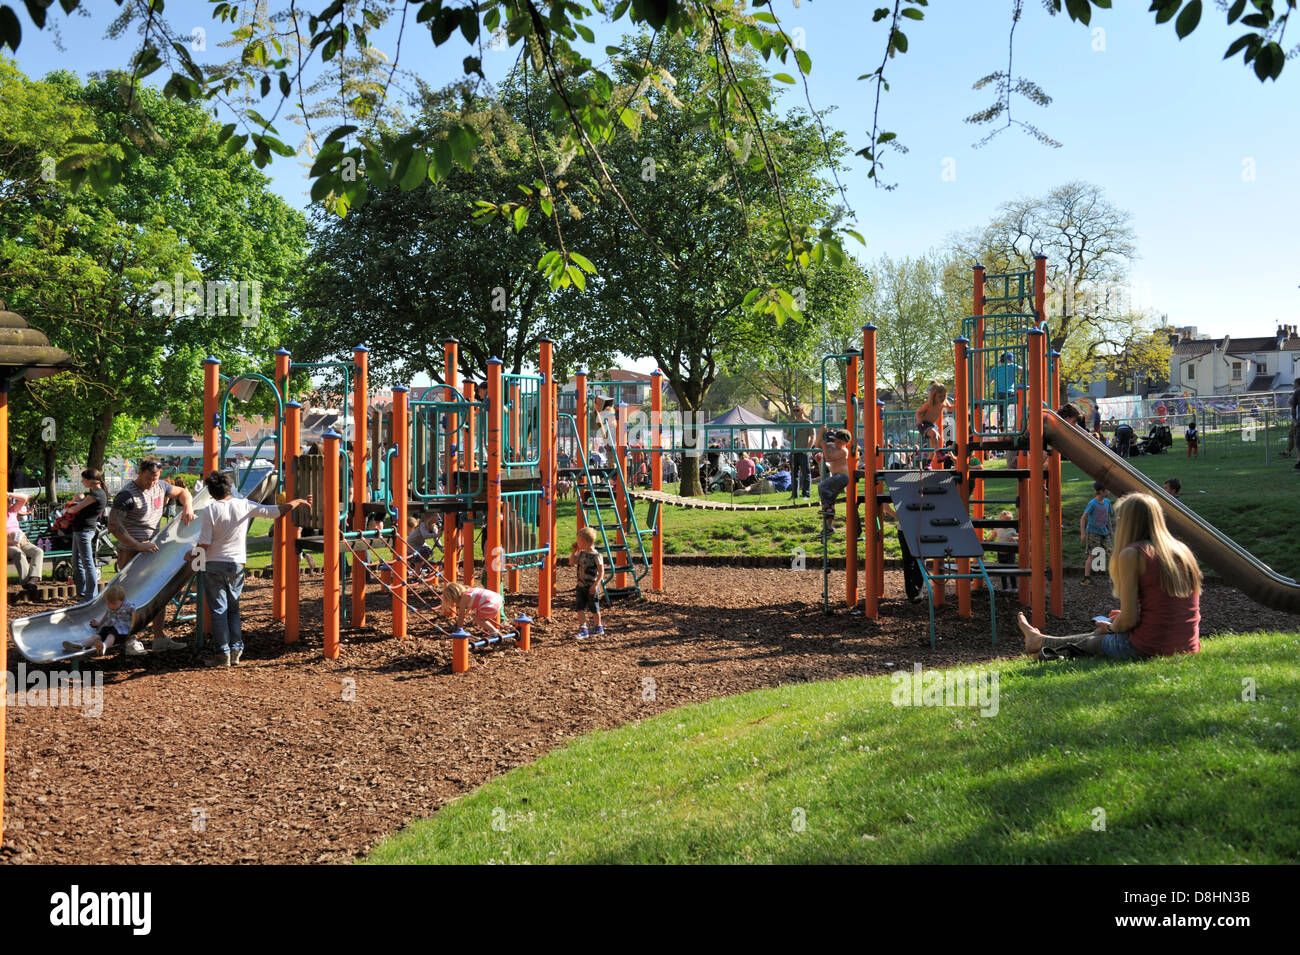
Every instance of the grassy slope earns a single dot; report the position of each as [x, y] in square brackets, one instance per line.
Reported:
[1184, 769]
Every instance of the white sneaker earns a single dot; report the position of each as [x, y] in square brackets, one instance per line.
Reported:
[166, 643]
[134, 648]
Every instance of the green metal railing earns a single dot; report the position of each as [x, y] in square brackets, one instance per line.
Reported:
[434, 445]
[521, 421]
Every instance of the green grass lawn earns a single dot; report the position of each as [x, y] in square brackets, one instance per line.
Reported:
[1183, 769]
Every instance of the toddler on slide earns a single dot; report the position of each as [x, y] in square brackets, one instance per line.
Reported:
[115, 622]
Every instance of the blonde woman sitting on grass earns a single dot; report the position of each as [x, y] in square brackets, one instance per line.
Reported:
[1158, 584]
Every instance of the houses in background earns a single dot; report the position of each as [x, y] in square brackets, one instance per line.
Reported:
[1203, 366]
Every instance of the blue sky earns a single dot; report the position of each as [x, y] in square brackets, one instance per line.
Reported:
[1205, 157]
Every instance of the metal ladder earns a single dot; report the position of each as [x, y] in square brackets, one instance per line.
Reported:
[623, 543]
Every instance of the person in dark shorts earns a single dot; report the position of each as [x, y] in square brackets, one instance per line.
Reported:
[589, 568]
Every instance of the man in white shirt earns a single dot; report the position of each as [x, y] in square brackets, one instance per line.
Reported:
[223, 541]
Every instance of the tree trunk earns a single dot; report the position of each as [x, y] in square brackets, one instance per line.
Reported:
[692, 437]
[99, 437]
[50, 466]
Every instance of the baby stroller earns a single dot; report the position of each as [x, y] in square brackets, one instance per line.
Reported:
[58, 540]
[1157, 440]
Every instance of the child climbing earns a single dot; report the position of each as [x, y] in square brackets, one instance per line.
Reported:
[115, 622]
[1094, 529]
[834, 444]
[461, 600]
[929, 420]
[589, 568]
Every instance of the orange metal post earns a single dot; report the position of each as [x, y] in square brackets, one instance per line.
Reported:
[468, 431]
[555, 463]
[1040, 310]
[280, 556]
[580, 418]
[450, 533]
[402, 440]
[962, 431]
[511, 451]
[4, 597]
[546, 463]
[657, 478]
[211, 410]
[292, 438]
[1022, 513]
[851, 530]
[1054, 504]
[524, 627]
[870, 442]
[360, 419]
[623, 552]
[979, 372]
[459, 651]
[330, 570]
[492, 551]
[1037, 549]
[880, 466]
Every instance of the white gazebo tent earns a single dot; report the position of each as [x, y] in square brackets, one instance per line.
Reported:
[756, 437]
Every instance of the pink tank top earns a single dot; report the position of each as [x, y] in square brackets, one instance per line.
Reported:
[485, 603]
[1167, 625]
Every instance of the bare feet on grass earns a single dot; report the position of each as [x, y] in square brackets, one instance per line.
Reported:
[1033, 636]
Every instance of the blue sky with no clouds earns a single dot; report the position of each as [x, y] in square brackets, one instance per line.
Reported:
[1205, 157]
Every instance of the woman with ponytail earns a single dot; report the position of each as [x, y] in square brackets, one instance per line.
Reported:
[1158, 584]
[87, 507]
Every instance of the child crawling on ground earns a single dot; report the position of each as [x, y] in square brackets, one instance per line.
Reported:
[461, 600]
[115, 622]
[589, 568]
[929, 419]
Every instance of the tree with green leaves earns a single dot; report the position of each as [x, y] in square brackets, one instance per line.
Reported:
[185, 254]
[685, 300]
[783, 361]
[407, 269]
[1090, 245]
[1136, 347]
[315, 65]
[915, 330]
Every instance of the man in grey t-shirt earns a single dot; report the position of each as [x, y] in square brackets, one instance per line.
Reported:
[133, 520]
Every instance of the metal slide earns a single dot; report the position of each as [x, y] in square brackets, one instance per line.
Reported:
[1234, 564]
[150, 581]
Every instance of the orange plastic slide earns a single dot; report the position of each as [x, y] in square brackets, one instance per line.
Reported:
[1231, 562]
